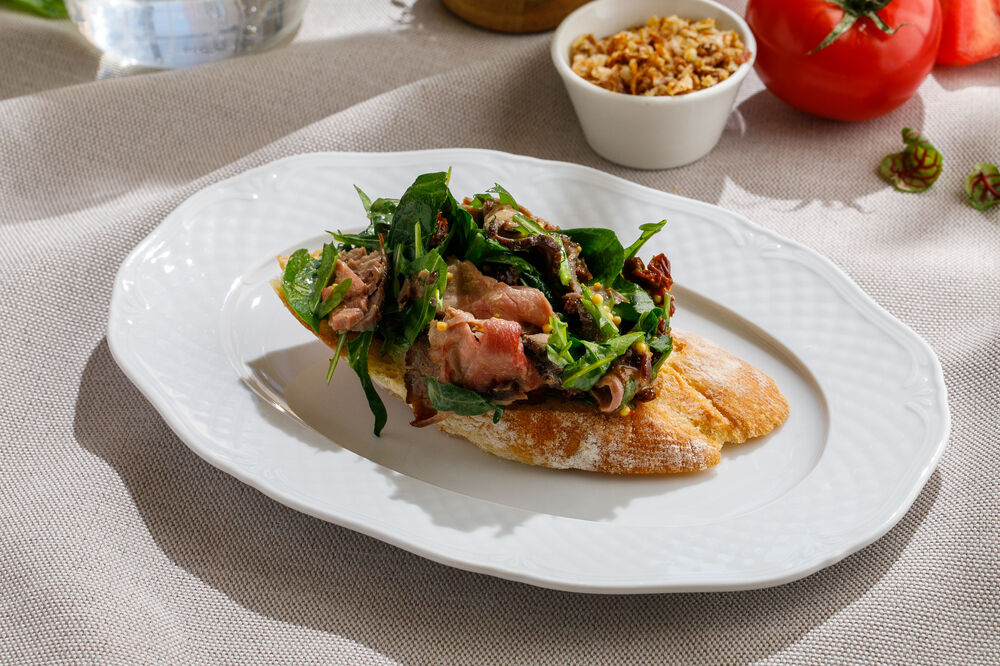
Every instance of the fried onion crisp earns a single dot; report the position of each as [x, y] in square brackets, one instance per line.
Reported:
[666, 56]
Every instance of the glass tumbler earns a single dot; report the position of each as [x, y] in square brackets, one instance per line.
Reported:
[180, 33]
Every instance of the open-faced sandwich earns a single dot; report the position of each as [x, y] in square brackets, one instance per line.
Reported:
[544, 345]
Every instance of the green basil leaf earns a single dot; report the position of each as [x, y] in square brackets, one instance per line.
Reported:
[983, 186]
[916, 168]
[357, 358]
[602, 251]
[648, 230]
[461, 401]
[333, 299]
[298, 281]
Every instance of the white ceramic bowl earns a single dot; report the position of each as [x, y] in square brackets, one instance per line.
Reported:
[648, 132]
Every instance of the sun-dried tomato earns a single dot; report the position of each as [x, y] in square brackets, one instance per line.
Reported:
[440, 232]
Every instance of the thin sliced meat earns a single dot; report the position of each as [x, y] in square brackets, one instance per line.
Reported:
[361, 308]
[481, 354]
[609, 390]
[418, 366]
[483, 297]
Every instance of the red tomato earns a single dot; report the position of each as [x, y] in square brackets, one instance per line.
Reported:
[971, 31]
[862, 74]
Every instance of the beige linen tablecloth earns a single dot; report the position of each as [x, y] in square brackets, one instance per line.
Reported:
[120, 545]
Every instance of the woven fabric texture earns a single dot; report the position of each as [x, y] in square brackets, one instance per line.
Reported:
[119, 545]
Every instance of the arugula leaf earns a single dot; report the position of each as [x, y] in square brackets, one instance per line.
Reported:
[324, 271]
[365, 199]
[916, 168]
[663, 344]
[558, 349]
[602, 251]
[357, 358]
[983, 186]
[648, 230]
[583, 373]
[298, 281]
[368, 241]
[600, 313]
[631, 388]
[638, 308]
[476, 201]
[418, 207]
[620, 344]
[461, 401]
[503, 196]
[528, 226]
[419, 313]
[379, 213]
[341, 339]
[333, 299]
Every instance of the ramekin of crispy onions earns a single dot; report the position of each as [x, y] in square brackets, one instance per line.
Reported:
[653, 81]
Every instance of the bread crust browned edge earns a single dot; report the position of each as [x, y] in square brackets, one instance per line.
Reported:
[705, 398]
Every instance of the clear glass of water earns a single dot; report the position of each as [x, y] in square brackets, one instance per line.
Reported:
[180, 33]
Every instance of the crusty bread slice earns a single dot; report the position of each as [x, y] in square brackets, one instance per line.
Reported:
[705, 398]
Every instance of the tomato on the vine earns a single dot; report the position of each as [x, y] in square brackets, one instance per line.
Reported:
[845, 59]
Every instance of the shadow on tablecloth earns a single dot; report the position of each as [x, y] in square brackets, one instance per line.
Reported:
[293, 568]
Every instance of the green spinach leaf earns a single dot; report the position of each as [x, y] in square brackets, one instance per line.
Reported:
[357, 358]
[298, 281]
[461, 401]
[602, 251]
[418, 207]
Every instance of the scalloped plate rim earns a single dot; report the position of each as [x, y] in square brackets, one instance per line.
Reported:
[164, 406]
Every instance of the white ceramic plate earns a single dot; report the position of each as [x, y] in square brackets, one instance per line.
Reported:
[196, 326]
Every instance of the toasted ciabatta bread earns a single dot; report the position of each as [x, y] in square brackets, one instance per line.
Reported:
[705, 398]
